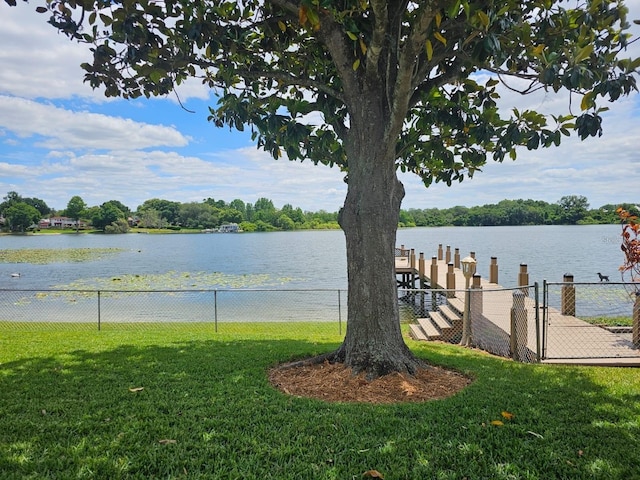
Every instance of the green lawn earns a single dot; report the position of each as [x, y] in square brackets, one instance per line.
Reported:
[201, 407]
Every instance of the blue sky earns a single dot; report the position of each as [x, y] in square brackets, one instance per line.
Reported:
[59, 138]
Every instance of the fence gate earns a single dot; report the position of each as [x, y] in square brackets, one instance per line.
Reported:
[587, 321]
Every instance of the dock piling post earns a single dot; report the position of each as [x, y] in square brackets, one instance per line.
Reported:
[412, 264]
[440, 251]
[421, 269]
[421, 280]
[451, 281]
[519, 327]
[568, 296]
[523, 278]
[433, 279]
[493, 270]
[476, 297]
[456, 258]
[434, 272]
[447, 256]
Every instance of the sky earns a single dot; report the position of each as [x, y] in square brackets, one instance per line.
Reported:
[60, 138]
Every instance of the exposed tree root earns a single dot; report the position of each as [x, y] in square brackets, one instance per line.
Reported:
[372, 368]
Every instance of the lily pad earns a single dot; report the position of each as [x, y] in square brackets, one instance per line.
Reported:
[172, 281]
[43, 256]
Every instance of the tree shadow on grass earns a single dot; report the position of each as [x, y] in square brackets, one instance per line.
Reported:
[205, 409]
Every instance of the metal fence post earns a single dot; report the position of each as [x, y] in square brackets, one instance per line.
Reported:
[636, 322]
[545, 315]
[99, 310]
[537, 314]
[339, 313]
[215, 310]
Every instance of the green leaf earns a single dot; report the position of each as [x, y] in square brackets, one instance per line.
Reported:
[106, 19]
[156, 75]
[356, 64]
[352, 36]
[584, 53]
[454, 9]
[492, 82]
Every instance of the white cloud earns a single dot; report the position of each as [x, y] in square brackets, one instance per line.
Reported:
[39, 62]
[36, 60]
[62, 129]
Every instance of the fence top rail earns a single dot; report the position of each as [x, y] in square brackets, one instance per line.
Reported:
[627, 284]
[201, 290]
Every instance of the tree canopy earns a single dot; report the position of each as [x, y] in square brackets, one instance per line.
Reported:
[369, 86]
[21, 216]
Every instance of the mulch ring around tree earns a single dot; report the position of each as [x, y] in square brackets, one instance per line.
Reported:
[333, 382]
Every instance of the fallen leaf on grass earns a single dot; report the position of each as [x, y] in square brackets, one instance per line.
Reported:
[497, 423]
[372, 474]
[136, 389]
[507, 415]
[534, 434]
[167, 441]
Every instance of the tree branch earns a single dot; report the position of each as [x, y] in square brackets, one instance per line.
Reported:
[378, 38]
[407, 59]
[285, 79]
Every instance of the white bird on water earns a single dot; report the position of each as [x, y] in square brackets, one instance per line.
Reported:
[15, 274]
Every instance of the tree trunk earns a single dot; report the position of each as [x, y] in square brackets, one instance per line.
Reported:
[369, 220]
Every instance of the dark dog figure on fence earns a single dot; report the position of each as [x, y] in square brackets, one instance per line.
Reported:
[604, 278]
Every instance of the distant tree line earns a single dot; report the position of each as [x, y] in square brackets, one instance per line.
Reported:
[569, 210]
[22, 213]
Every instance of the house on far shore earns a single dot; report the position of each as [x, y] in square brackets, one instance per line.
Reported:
[229, 228]
[60, 222]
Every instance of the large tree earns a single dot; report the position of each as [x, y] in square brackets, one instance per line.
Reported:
[76, 207]
[369, 86]
[21, 216]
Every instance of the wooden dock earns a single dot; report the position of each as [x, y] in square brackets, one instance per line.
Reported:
[567, 339]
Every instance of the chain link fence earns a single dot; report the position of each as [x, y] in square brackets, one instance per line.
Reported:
[574, 322]
[211, 310]
[590, 321]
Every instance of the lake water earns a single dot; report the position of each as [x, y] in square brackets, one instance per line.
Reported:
[244, 269]
[316, 259]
